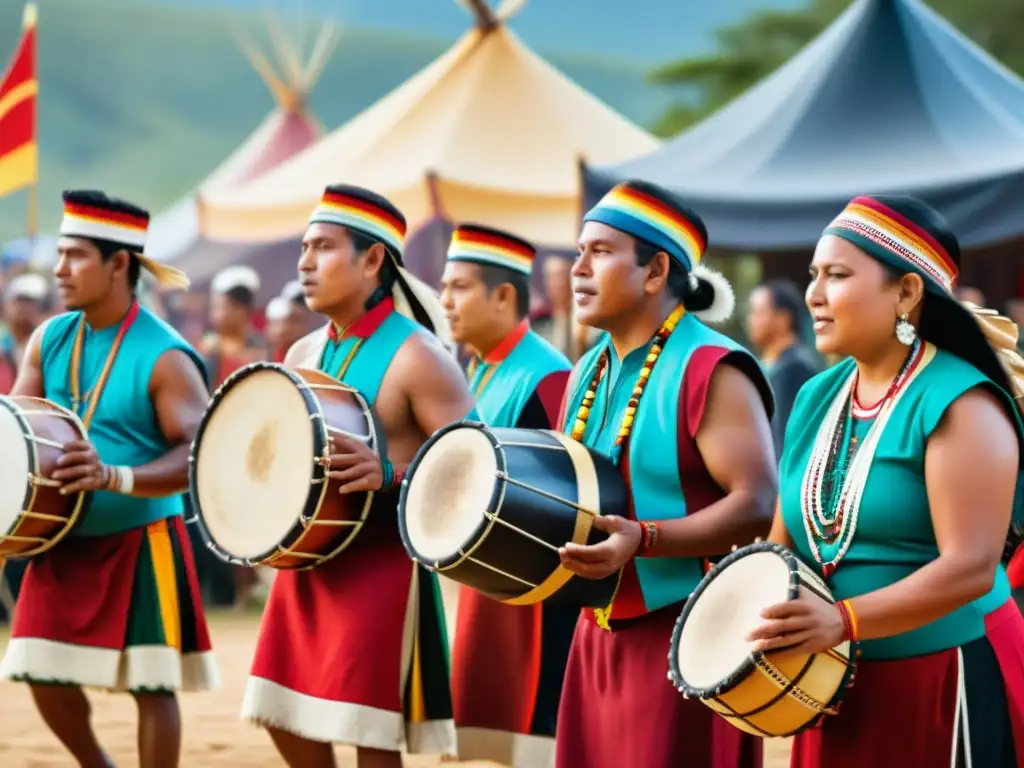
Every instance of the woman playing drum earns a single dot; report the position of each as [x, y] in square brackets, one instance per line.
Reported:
[897, 483]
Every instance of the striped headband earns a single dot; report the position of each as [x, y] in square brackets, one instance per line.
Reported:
[886, 234]
[643, 215]
[348, 210]
[94, 221]
[483, 245]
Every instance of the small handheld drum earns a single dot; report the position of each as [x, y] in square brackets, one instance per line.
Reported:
[33, 514]
[258, 468]
[765, 694]
[490, 507]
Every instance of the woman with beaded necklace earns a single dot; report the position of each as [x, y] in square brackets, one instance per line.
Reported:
[899, 484]
[684, 413]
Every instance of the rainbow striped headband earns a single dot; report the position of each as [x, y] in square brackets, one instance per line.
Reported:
[362, 215]
[644, 216]
[885, 234]
[82, 220]
[483, 245]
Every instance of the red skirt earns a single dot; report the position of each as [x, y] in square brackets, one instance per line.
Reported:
[960, 707]
[117, 612]
[507, 669]
[619, 708]
[354, 652]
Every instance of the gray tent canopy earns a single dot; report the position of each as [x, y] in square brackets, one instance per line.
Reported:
[890, 98]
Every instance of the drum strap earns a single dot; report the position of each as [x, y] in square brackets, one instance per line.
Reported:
[93, 396]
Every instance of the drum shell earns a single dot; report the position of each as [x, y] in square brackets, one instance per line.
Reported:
[47, 421]
[533, 467]
[763, 697]
[334, 405]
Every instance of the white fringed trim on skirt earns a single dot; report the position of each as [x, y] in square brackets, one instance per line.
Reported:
[137, 668]
[519, 750]
[267, 703]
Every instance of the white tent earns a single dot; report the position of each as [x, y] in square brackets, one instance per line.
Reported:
[488, 132]
[286, 131]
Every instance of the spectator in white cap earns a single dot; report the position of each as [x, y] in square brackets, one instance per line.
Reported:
[25, 303]
[288, 321]
[233, 342]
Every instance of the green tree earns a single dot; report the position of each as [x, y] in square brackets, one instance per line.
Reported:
[756, 47]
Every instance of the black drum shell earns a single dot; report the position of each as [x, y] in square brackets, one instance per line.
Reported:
[533, 467]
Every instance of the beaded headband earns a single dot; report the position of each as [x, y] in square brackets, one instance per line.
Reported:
[349, 209]
[642, 215]
[888, 235]
[483, 245]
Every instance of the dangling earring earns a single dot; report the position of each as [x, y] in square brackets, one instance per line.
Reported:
[906, 333]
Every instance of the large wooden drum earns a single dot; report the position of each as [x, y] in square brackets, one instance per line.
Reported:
[765, 694]
[34, 516]
[258, 469]
[489, 508]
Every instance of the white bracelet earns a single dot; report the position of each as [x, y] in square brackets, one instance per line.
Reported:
[126, 480]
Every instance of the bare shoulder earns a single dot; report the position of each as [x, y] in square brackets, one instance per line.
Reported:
[730, 385]
[423, 359]
[177, 369]
[306, 348]
[977, 422]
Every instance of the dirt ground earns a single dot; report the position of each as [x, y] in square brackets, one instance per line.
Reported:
[213, 733]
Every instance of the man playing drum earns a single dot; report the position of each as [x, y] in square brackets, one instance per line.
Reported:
[354, 651]
[116, 604]
[508, 661]
[685, 412]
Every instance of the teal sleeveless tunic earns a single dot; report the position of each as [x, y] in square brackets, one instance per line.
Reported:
[361, 361]
[658, 491]
[504, 389]
[894, 535]
[124, 428]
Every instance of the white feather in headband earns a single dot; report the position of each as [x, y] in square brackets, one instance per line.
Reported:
[723, 305]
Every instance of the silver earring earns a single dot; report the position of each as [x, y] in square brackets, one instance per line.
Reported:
[906, 333]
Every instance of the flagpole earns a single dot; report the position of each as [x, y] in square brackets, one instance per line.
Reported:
[30, 20]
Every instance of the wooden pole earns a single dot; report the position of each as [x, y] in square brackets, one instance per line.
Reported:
[33, 211]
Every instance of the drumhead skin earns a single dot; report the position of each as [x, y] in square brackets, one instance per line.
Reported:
[711, 646]
[457, 482]
[16, 463]
[254, 465]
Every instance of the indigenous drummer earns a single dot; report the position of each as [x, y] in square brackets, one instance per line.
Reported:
[685, 413]
[115, 604]
[354, 651]
[897, 485]
[507, 661]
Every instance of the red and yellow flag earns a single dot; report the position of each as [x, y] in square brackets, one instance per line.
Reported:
[19, 149]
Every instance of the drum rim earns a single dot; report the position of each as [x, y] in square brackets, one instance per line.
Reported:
[496, 495]
[11, 403]
[747, 666]
[313, 501]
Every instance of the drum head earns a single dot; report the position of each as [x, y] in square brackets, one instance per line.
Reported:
[254, 464]
[449, 492]
[14, 468]
[712, 645]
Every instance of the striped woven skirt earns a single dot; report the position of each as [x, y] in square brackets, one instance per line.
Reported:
[355, 652]
[117, 612]
[962, 707]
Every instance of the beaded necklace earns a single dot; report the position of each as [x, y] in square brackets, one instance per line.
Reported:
[579, 428]
[828, 520]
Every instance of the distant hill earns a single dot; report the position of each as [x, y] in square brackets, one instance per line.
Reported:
[144, 98]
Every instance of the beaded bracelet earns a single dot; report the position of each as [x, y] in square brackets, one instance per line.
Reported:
[651, 534]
